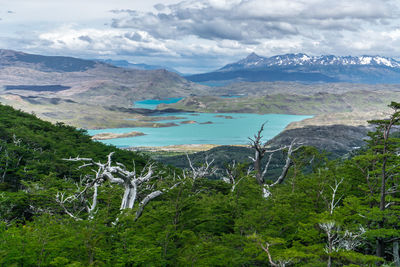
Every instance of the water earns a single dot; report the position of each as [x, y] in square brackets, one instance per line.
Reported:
[222, 131]
[215, 83]
[152, 103]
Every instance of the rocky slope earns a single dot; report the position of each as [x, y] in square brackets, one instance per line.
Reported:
[336, 140]
[86, 81]
[319, 103]
[304, 68]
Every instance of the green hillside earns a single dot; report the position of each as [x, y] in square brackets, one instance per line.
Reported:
[53, 213]
[292, 103]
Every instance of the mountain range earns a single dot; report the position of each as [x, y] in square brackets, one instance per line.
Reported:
[303, 68]
[87, 81]
[137, 66]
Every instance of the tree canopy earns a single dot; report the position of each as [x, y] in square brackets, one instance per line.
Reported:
[325, 212]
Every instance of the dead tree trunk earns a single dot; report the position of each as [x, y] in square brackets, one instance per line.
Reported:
[131, 181]
[396, 258]
[260, 152]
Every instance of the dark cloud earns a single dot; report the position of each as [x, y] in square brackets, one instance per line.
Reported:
[206, 34]
[256, 19]
[159, 7]
[134, 36]
[85, 38]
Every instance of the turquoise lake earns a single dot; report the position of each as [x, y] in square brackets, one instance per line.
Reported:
[152, 103]
[222, 131]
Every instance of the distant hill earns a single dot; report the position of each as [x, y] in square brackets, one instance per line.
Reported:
[87, 81]
[304, 68]
[289, 103]
[336, 140]
[139, 66]
[10, 58]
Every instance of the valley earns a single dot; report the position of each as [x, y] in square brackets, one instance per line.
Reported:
[115, 100]
[200, 133]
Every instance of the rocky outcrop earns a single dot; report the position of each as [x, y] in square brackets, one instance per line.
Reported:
[105, 136]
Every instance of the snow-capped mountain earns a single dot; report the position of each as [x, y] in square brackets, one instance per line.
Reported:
[256, 61]
[303, 68]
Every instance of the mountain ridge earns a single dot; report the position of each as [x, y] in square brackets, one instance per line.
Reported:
[307, 69]
[44, 63]
[138, 66]
[86, 81]
[299, 59]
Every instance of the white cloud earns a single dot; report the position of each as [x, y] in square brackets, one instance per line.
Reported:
[95, 41]
[206, 33]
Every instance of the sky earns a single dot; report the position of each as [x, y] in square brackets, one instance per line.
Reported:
[199, 36]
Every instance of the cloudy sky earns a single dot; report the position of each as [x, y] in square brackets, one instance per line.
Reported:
[198, 36]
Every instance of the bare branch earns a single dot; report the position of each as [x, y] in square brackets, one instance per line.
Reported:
[280, 263]
[232, 176]
[61, 200]
[260, 151]
[149, 197]
[287, 163]
[266, 249]
[132, 183]
[203, 171]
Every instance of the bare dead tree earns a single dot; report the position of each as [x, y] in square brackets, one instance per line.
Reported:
[333, 201]
[6, 157]
[131, 181]
[79, 201]
[261, 150]
[5, 209]
[16, 141]
[396, 257]
[232, 176]
[338, 240]
[204, 170]
[279, 263]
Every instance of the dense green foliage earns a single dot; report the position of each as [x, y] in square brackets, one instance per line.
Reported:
[200, 222]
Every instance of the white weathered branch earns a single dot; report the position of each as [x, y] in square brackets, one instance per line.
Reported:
[337, 240]
[260, 151]
[288, 161]
[281, 263]
[115, 174]
[232, 176]
[202, 171]
[333, 202]
[150, 197]
[61, 201]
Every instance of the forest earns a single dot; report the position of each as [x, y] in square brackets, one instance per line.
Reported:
[66, 200]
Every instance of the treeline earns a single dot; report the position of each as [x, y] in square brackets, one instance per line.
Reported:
[325, 212]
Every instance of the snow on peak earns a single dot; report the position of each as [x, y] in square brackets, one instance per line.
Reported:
[303, 59]
[365, 60]
[255, 61]
[384, 61]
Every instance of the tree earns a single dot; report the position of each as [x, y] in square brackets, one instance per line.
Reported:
[261, 149]
[379, 167]
[132, 182]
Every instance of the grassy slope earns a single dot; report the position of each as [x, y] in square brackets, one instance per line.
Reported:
[349, 108]
[268, 88]
[32, 149]
[291, 103]
[78, 115]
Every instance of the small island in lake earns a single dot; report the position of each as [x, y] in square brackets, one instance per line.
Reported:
[188, 122]
[105, 136]
[223, 116]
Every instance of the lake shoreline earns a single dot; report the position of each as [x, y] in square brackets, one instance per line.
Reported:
[203, 128]
[188, 148]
